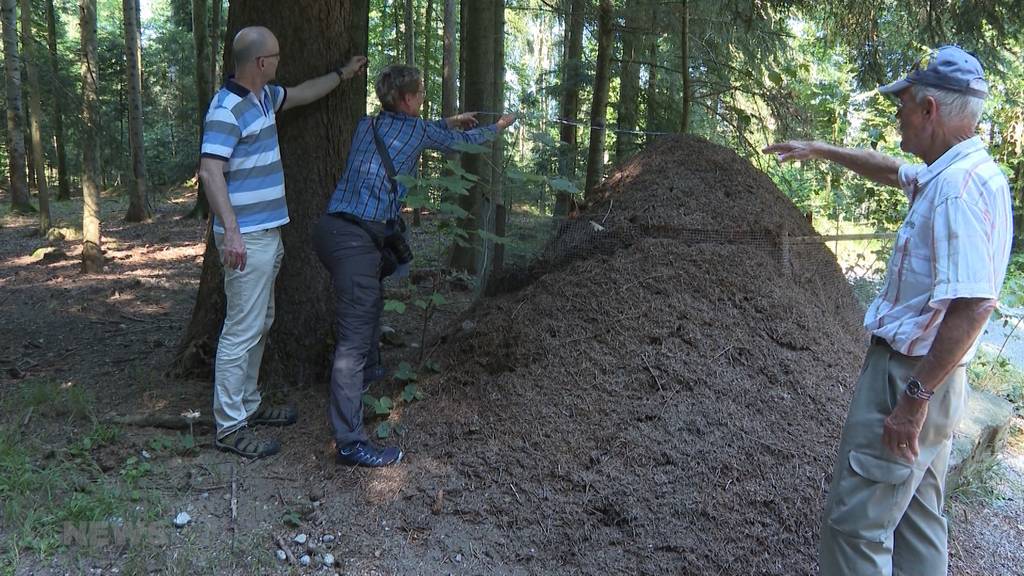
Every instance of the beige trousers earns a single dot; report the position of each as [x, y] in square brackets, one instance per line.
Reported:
[248, 317]
[885, 516]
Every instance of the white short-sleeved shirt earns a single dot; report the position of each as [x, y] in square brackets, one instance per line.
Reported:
[954, 243]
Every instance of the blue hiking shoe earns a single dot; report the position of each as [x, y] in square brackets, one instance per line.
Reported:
[367, 455]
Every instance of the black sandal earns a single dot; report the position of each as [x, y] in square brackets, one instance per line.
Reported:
[244, 443]
[273, 416]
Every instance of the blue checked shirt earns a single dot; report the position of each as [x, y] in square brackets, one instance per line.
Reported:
[365, 190]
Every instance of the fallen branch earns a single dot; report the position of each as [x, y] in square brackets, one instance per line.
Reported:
[287, 551]
[234, 496]
[158, 421]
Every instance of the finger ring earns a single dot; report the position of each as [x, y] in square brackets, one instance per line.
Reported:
[902, 445]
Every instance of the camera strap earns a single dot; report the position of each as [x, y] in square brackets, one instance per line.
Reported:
[385, 158]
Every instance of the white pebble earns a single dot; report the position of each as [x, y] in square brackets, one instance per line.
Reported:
[182, 519]
[328, 559]
[300, 539]
[281, 555]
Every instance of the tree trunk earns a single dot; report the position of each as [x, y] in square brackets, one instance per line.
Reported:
[92, 256]
[629, 83]
[651, 123]
[138, 206]
[498, 152]
[409, 35]
[31, 57]
[478, 81]
[215, 11]
[204, 91]
[684, 66]
[448, 93]
[63, 183]
[313, 36]
[26, 123]
[15, 137]
[599, 105]
[428, 28]
[572, 70]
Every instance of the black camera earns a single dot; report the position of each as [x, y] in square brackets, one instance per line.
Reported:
[398, 246]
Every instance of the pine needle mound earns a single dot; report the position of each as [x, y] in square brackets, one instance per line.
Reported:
[672, 406]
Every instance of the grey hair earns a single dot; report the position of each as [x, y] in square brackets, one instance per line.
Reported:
[952, 105]
[396, 82]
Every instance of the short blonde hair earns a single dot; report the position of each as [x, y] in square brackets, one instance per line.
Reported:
[395, 83]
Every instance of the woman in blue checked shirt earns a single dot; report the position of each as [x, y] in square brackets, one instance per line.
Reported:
[352, 241]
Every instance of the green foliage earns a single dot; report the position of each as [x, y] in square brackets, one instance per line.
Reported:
[995, 373]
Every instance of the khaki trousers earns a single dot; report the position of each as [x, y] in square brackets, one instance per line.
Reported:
[248, 317]
[885, 516]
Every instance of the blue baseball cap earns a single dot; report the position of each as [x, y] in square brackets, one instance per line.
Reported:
[947, 68]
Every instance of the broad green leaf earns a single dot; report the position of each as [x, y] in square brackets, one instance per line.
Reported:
[394, 306]
[420, 303]
[407, 181]
[405, 372]
[412, 392]
[452, 210]
[437, 299]
[383, 430]
[433, 366]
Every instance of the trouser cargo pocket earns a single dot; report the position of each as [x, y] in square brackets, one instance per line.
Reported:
[870, 497]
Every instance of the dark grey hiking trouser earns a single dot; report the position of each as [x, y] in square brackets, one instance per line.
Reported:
[354, 263]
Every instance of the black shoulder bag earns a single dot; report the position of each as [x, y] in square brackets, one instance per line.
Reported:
[394, 249]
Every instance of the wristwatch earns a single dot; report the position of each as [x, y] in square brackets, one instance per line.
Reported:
[917, 390]
[340, 71]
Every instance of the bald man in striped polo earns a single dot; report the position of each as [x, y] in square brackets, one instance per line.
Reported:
[244, 181]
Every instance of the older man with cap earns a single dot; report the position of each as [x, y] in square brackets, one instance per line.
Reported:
[244, 182]
[884, 513]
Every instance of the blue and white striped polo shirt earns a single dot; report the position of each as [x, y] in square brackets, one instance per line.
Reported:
[364, 190]
[241, 130]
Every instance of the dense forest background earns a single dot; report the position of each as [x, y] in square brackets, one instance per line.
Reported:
[741, 73]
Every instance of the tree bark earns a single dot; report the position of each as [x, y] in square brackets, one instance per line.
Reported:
[138, 204]
[572, 71]
[448, 93]
[63, 182]
[428, 37]
[498, 152]
[684, 65]
[629, 83]
[204, 90]
[478, 81]
[15, 137]
[315, 37]
[215, 12]
[599, 106]
[92, 255]
[651, 122]
[31, 57]
[409, 34]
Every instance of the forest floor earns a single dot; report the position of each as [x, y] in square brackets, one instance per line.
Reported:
[78, 350]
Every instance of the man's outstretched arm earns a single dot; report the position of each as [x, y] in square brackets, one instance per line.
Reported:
[316, 88]
[868, 163]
